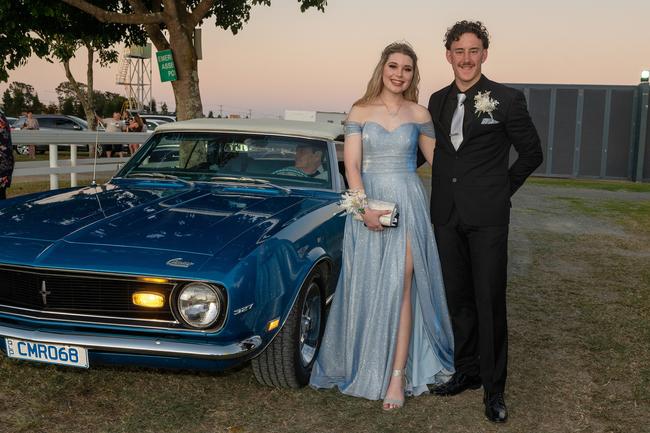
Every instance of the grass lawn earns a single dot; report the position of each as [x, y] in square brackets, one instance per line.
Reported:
[579, 321]
[21, 187]
[604, 185]
[46, 156]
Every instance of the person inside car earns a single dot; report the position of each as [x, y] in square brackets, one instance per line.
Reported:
[307, 163]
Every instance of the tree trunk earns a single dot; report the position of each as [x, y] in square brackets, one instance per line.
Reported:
[86, 101]
[186, 87]
[89, 109]
[180, 24]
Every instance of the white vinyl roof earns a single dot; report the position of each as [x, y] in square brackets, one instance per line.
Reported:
[269, 126]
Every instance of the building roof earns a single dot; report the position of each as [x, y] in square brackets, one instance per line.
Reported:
[270, 126]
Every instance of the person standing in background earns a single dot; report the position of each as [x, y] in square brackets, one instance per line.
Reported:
[113, 124]
[136, 125]
[31, 123]
[6, 156]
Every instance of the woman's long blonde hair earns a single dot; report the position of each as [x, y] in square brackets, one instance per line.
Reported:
[376, 83]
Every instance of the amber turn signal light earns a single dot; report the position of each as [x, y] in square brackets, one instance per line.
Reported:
[148, 299]
[273, 324]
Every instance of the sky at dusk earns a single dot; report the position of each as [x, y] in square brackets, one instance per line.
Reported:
[284, 59]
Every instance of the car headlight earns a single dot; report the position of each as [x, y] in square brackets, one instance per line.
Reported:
[199, 304]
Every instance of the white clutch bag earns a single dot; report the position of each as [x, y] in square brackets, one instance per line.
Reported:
[388, 220]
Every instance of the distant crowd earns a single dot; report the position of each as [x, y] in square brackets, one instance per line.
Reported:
[119, 122]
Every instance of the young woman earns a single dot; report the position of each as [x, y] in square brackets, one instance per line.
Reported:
[388, 330]
[135, 125]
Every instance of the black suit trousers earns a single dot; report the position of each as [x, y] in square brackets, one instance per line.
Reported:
[474, 266]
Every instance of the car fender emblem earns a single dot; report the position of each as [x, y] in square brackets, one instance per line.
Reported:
[179, 263]
[243, 309]
[44, 292]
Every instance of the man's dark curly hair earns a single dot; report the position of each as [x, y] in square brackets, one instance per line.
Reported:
[461, 27]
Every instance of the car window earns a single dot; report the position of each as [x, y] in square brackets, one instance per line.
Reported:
[62, 123]
[285, 161]
[18, 123]
[46, 122]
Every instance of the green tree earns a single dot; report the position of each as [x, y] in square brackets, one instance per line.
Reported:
[20, 97]
[108, 102]
[51, 108]
[163, 108]
[179, 18]
[18, 41]
[57, 31]
[211, 114]
[7, 102]
[68, 107]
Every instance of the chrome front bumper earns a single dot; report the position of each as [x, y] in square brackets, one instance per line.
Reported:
[137, 345]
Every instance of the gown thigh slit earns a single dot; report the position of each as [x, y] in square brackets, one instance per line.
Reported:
[358, 347]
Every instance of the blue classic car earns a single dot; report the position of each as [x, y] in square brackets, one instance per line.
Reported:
[219, 242]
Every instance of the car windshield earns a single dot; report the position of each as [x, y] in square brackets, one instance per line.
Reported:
[81, 121]
[234, 157]
[18, 123]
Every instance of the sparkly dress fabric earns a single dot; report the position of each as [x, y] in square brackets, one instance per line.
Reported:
[358, 347]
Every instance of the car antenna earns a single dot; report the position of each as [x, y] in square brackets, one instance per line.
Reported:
[93, 183]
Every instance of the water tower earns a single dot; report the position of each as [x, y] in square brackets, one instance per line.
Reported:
[135, 75]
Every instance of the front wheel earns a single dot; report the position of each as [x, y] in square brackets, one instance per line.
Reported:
[287, 361]
[22, 149]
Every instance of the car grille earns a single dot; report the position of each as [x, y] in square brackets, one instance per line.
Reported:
[89, 297]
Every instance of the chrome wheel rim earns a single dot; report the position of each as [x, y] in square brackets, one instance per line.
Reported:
[310, 324]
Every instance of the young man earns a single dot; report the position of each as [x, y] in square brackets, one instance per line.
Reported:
[308, 163]
[477, 121]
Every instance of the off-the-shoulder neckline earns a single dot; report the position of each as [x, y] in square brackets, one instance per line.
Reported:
[361, 124]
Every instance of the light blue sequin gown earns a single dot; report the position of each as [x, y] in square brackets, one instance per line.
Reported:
[358, 347]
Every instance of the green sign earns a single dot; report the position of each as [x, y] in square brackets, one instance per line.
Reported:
[166, 65]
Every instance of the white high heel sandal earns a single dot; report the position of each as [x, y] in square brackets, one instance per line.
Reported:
[395, 403]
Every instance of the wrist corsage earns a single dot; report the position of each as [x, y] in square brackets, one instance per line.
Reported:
[354, 202]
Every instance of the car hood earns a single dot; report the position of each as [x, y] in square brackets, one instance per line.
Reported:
[143, 218]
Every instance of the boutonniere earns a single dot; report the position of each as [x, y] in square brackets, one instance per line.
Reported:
[484, 104]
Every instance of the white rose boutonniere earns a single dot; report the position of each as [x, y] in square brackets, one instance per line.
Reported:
[484, 104]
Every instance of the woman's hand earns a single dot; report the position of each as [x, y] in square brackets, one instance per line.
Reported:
[371, 219]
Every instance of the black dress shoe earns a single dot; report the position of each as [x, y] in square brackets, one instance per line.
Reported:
[495, 407]
[458, 383]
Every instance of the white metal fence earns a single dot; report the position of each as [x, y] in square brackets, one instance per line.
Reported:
[74, 139]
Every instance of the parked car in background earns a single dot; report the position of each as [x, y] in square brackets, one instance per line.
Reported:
[204, 251]
[153, 124]
[158, 117]
[49, 122]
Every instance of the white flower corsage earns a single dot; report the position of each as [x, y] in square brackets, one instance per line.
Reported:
[354, 202]
[484, 104]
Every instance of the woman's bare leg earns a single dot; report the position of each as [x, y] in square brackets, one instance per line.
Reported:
[396, 386]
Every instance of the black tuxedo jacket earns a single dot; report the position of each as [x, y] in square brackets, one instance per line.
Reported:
[476, 178]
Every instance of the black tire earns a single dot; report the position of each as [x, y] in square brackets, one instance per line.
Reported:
[286, 363]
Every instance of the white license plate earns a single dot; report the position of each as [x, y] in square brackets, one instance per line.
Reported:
[74, 356]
